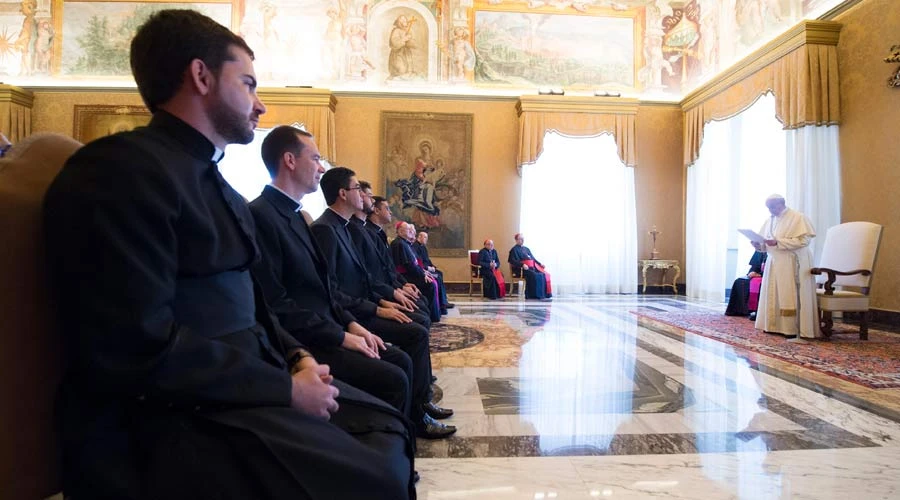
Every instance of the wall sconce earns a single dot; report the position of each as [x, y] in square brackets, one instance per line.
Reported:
[551, 91]
[603, 93]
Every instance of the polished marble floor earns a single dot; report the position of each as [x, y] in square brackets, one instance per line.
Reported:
[573, 399]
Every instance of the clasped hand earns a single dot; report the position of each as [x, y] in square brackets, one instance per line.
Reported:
[311, 390]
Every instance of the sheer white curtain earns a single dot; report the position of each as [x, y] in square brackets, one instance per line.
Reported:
[813, 180]
[243, 168]
[578, 215]
[707, 214]
[741, 162]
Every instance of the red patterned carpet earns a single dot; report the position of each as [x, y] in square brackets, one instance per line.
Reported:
[873, 363]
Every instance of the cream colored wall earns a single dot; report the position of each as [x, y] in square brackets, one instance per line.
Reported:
[495, 183]
[870, 149]
[54, 110]
[659, 179]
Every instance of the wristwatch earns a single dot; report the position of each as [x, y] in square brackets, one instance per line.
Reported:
[294, 360]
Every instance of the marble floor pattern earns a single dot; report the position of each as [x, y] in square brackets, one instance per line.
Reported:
[573, 399]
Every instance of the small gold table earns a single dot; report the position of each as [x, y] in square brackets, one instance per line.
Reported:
[665, 265]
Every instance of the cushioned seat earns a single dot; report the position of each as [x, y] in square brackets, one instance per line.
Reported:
[31, 354]
[847, 262]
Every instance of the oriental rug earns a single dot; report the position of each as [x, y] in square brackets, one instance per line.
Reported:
[873, 363]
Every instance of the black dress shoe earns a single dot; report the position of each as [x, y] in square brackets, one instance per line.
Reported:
[753, 316]
[435, 411]
[443, 312]
[449, 305]
[432, 429]
[415, 476]
[433, 379]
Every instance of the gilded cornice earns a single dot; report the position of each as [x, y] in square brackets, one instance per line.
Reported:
[16, 95]
[839, 9]
[297, 97]
[269, 96]
[577, 104]
[804, 33]
[424, 96]
[74, 89]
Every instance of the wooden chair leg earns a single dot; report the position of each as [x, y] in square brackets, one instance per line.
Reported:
[470, 286]
[864, 326]
[827, 323]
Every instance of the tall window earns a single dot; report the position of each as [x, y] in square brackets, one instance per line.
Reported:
[578, 215]
[243, 168]
[742, 161]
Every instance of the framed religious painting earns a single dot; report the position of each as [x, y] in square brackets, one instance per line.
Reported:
[98, 120]
[426, 165]
[91, 39]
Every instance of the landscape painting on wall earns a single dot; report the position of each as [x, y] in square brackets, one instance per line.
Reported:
[525, 49]
[98, 34]
[427, 175]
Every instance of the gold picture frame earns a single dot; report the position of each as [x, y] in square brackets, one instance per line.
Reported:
[427, 175]
[96, 121]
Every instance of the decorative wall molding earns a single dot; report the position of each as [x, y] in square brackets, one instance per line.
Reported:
[16, 95]
[577, 104]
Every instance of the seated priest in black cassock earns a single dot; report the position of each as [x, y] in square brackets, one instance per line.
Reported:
[492, 284]
[180, 383]
[379, 217]
[745, 291]
[420, 246]
[522, 261]
[344, 197]
[408, 265]
[373, 253]
[295, 280]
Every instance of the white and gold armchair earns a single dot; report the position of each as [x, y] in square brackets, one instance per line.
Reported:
[847, 263]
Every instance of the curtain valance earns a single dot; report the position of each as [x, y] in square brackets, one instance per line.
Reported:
[15, 112]
[800, 68]
[314, 108]
[577, 117]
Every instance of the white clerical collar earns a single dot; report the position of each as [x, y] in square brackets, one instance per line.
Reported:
[298, 202]
[217, 154]
[346, 221]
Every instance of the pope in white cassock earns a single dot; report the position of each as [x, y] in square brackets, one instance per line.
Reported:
[787, 298]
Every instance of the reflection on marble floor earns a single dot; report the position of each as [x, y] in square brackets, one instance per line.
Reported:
[572, 399]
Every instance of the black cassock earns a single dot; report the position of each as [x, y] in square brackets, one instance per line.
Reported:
[177, 384]
[490, 286]
[535, 281]
[740, 289]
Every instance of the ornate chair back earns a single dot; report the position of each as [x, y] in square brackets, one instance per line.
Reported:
[845, 270]
[31, 354]
[474, 270]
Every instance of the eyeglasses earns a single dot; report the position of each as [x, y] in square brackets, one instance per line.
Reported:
[353, 188]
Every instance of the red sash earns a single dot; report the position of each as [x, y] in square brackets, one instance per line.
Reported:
[501, 284]
[539, 268]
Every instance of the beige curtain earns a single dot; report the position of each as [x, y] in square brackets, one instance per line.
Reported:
[577, 117]
[15, 112]
[805, 84]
